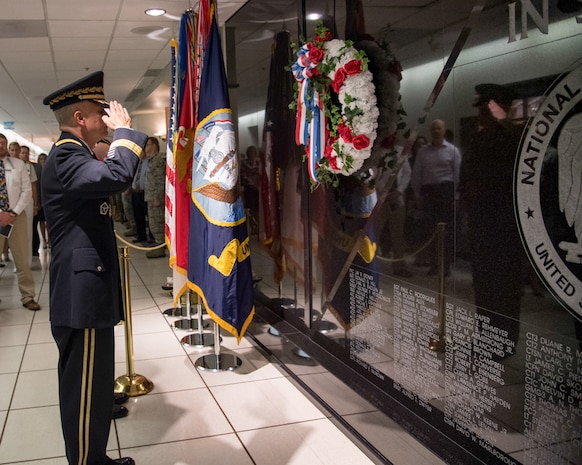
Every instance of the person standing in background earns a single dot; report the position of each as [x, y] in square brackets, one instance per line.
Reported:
[16, 151]
[155, 195]
[249, 174]
[15, 195]
[138, 203]
[85, 286]
[435, 177]
[486, 195]
[39, 224]
[33, 209]
[130, 226]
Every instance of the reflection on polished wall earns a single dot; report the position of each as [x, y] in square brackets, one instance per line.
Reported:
[452, 290]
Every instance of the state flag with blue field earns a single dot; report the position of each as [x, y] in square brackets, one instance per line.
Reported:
[219, 263]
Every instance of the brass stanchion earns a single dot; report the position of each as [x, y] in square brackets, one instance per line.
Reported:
[131, 384]
[437, 344]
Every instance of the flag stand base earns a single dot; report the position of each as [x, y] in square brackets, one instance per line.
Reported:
[174, 311]
[198, 340]
[192, 322]
[179, 311]
[190, 325]
[218, 362]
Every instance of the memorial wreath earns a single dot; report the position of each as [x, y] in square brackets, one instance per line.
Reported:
[337, 115]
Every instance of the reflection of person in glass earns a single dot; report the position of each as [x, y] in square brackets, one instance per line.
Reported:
[434, 177]
[486, 190]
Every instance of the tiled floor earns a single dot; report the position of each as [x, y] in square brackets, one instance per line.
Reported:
[252, 415]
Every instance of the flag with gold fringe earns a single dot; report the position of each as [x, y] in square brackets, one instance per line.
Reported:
[170, 191]
[219, 264]
[180, 169]
[183, 118]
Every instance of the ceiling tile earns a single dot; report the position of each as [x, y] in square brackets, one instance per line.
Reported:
[82, 10]
[24, 45]
[30, 9]
[75, 29]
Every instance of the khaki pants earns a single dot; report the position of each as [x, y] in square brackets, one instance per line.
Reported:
[19, 244]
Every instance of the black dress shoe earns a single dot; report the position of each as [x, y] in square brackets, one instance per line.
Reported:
[119, 411]
[121, 461]
[120, 398]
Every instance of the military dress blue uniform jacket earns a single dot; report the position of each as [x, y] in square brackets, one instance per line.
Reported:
[85, 289]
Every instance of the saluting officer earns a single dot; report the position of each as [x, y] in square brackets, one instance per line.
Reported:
[85, 293]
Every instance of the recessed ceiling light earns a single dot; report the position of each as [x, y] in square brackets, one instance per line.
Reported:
[155, 12]
[313, 16]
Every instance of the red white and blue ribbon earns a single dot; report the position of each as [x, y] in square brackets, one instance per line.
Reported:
[317, 139]
[310, 133]
[301, 123]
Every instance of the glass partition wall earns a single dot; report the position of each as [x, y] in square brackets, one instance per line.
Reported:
[443, 283]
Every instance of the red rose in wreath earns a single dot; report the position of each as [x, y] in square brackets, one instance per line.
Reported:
[323, 37]
[361, 142]
[327, 153]
[353, 67]
[339, 79]
[345, 132]
[315, 54]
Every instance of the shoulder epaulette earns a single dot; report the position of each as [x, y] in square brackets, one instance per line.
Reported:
[64, 141]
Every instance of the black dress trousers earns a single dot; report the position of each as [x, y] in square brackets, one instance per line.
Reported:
[86, 374]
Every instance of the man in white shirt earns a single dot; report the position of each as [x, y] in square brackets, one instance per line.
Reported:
[435, 177]
[14, 176]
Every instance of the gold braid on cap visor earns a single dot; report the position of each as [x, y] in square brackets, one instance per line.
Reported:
[82, 94]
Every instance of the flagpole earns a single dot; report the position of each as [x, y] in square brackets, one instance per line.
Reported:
[190, 323]
[200, 338]
[217, 361]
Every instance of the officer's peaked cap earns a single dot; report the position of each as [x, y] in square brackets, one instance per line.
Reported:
[89, 88]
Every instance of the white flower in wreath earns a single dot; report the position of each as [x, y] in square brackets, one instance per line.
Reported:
[356, 95]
